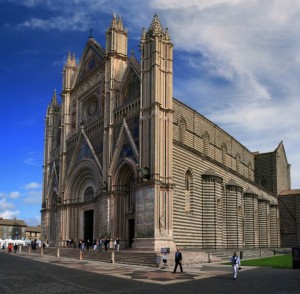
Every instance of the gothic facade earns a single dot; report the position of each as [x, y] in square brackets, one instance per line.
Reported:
[125, 159]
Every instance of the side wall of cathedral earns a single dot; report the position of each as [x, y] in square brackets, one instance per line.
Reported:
[215, 195]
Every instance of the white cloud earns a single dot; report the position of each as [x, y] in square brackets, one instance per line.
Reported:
[9, 214]
[32, 185]
[14, 195]
[4, 205]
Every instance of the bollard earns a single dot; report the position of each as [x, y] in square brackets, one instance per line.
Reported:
[29, 249]
[274, 252]
[57, 254]
[20, 248]
[42, 250]
[80, 255]
[112, 257]
[241, 254]
[209, 257]
[260, 253]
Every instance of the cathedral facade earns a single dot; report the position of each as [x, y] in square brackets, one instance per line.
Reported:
[124, 159]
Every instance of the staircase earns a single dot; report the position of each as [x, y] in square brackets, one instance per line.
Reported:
[123, 256]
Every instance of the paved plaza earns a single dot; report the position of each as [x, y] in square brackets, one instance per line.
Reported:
[32, 273]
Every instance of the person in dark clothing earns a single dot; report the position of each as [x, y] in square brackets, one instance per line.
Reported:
[178, 260]
[105, 243]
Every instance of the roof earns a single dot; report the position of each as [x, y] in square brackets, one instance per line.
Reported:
[33, 229]
[12, 222]
[290, 192]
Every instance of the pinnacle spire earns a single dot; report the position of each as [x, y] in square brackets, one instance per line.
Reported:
[69, 61]
[117, 23]
[155, 25]
[54, 98]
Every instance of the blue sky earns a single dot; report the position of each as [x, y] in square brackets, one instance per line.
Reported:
[236, 62]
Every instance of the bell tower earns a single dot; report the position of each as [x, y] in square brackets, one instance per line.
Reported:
[115, 66]
[156, 128]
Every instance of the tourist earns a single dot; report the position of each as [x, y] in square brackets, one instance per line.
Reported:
[235, 262]
[178, 260]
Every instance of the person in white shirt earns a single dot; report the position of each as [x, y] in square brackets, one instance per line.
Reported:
[236, 263]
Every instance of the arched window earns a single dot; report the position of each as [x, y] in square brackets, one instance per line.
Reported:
[188, 190]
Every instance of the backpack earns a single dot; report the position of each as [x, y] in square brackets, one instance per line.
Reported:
[234, 260]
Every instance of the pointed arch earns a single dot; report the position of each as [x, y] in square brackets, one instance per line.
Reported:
[188, 191]
[84, 176]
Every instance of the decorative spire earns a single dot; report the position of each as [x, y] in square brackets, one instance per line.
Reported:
[53, 106]
[113, 24]
[73, 60]
[54, 98]
[155, 26]
[69, 60]
[167, 35]
[120, 23]
[143, 33]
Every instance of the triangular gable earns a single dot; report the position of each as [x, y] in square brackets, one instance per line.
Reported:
[281, 151]
[93, 56]
[83, 149]
[124, 137]
[53, 179]
[130, 86]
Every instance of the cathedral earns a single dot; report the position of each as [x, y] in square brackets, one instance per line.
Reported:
[125, 159]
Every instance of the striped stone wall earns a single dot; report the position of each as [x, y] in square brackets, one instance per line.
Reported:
[264, 222]
[234, 216]
[221, 209]
[251, 220]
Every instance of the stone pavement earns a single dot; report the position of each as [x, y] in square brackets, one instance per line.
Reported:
[140, 273]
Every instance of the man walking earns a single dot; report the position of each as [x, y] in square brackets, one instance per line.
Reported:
[235, 262]
[178, 259]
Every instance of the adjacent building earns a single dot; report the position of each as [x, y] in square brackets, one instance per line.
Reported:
[33, 233]
[12, 229]
[124, 158]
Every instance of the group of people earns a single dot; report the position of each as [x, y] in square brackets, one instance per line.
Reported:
[98, 244]
[10, 247]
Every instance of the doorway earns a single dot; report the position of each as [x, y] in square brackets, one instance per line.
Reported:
[88, 225]
[130, 231]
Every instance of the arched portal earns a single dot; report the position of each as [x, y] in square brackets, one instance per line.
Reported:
[124, 202]
[80, 203]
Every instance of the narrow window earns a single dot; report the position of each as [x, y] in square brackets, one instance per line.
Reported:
[188, 190]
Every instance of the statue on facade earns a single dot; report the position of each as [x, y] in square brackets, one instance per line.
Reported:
[104, 186]
[145, 174]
